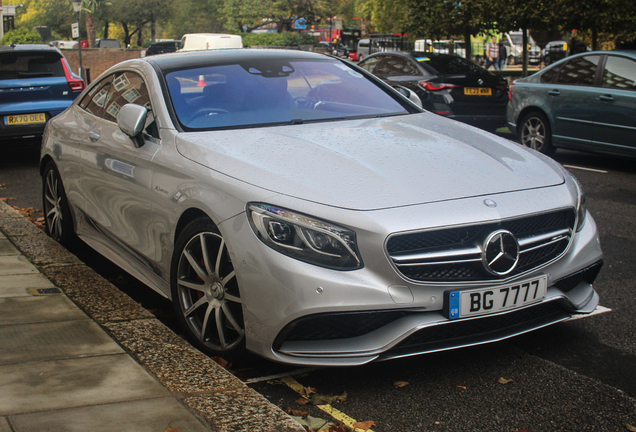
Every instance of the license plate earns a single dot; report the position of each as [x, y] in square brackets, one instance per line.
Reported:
[477, 91]
[462, 304]
[22, 119]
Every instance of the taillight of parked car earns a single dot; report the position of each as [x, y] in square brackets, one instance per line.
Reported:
[510, 92]
[433, 86]
[76, 84]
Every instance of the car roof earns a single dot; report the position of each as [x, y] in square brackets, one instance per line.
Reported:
[204, 58]
[30, 47]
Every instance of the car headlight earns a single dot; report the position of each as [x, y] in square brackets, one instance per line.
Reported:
[304, 238]
[581, 206]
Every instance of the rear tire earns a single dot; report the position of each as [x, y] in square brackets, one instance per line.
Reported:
[535, 133]
[205, 292]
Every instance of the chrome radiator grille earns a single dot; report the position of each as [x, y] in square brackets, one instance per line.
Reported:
[455, 254]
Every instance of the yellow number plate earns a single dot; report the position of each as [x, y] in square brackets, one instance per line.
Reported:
[22, 119]
[477, 91]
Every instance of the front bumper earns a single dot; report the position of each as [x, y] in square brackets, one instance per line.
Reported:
[298, 313]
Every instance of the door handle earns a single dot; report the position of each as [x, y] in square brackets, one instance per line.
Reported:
[93, 136]
[606, 98]
[554, 93]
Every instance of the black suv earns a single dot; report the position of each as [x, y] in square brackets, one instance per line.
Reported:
[163, 47]
[36, 83]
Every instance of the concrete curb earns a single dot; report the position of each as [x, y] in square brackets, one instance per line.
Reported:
[202, 385]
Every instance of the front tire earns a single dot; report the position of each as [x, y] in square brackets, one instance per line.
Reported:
[205, 291]
[57, 213]
[535, 133]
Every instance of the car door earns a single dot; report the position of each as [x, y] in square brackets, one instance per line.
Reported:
[616, 105]
[116, 174]
[571, 100]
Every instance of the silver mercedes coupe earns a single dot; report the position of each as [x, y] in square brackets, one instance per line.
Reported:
[291, 204]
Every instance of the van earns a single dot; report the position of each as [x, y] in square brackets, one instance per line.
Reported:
[207, 41]
[107, 43]
[514, 43]
[363, 48]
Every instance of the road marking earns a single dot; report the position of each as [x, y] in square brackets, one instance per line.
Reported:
[599, 310]
[585, 169]
[338, 415]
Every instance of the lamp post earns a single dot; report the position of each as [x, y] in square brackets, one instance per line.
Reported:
[77, 7]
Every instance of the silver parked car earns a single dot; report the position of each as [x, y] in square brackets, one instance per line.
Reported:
[292, 204]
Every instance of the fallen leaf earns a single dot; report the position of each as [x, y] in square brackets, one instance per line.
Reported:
[173, 430]
[338, 428]
[308, 391]
[504, 381]
[221, 361]
[296, 413]
[400, 384]
[364, 425]
[629, 427]
[313, 423]
[461, 387]
[322, 399]
[524, 430]
[302, 401]
[4, 199]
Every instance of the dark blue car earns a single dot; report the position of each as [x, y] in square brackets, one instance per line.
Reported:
[36, 83]
[584, 102]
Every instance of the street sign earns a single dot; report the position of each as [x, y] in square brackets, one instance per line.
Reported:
[75, 30]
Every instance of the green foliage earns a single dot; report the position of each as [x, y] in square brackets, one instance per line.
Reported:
[194, 16]
[278, 39]
[388, 16]
[56, 14]
[21, 35]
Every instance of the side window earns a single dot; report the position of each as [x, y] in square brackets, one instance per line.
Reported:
[129, 87]
[579, 71]
[370, 64]
[95, 100]
[620, 73]
[548, 77]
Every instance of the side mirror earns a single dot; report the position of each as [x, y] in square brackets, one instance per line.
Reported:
[409, 94]
[131, 120]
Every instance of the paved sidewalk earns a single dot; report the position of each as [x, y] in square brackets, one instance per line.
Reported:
[79, 355]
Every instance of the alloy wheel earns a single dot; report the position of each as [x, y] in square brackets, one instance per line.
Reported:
[208, 293]
[53, 205]
[534, 134]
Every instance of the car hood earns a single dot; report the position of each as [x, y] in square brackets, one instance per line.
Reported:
[373, 163]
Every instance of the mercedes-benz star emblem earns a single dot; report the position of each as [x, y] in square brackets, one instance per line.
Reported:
[490, 203]
[480, 81]
[500, 252]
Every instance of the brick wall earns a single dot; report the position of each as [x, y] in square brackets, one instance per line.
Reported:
[99, 60]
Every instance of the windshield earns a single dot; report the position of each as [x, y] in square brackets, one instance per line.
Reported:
[275, 91]
[517, 39]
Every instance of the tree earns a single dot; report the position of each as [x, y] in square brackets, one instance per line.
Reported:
[21, 35]
[438, 19]
[248, 15]
[91, 8]
[390, 16]
[524, 15]
[195, 16]
[56, 14]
